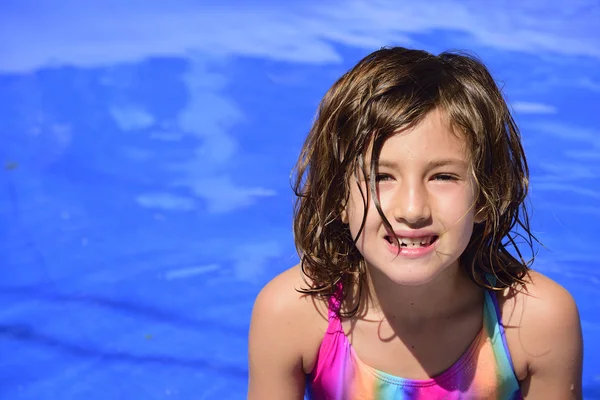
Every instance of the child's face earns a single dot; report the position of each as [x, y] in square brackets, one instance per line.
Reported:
[425, 190]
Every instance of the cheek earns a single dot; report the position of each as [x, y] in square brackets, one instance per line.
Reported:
[455, 207]
[356, 202]
[461, 194]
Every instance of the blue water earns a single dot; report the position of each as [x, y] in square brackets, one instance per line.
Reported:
[144, 185]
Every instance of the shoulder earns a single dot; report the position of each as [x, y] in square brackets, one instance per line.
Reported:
[281, 298]
[539, 307]
[285, 319]
[543, 330]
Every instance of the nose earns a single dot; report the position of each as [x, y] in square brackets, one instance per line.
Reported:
[411, 203]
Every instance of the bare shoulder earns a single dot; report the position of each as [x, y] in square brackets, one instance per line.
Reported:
[543, 331]
[286, 318]
[540, 298]
[281, 298]
[541, 304]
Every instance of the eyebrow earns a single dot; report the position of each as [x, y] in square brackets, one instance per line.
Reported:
[430, 163]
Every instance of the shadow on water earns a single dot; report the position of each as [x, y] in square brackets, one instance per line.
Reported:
[24, 333]
[27, 334]
[29, 293]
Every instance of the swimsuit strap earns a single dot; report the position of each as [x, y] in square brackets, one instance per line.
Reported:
[335, 301]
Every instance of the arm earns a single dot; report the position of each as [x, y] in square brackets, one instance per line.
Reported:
[551, 337]
[275, 357]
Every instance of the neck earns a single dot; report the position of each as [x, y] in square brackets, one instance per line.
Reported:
[449, 293]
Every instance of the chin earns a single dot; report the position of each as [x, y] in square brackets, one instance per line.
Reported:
[413, 271]
[416, 275]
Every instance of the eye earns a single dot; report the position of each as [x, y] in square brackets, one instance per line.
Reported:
[445, 177]
[383, 177]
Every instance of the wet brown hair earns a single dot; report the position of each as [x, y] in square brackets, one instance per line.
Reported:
[394, 89]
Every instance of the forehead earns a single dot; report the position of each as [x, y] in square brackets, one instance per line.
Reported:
[432, 139]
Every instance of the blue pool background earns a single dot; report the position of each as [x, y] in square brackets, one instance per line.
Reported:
[146, 150]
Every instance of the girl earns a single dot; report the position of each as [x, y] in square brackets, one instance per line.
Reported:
[411, 188]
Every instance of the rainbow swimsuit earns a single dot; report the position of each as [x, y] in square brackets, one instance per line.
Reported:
[484, 371]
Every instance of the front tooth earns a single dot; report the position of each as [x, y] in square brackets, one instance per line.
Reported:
[415, 242]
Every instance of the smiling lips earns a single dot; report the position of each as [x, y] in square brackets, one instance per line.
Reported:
[411, 246]
[413, 241]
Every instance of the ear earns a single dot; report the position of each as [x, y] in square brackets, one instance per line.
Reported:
[480, 217]
[344, 215]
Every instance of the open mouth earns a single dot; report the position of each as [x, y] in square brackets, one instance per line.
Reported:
[424, 241]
